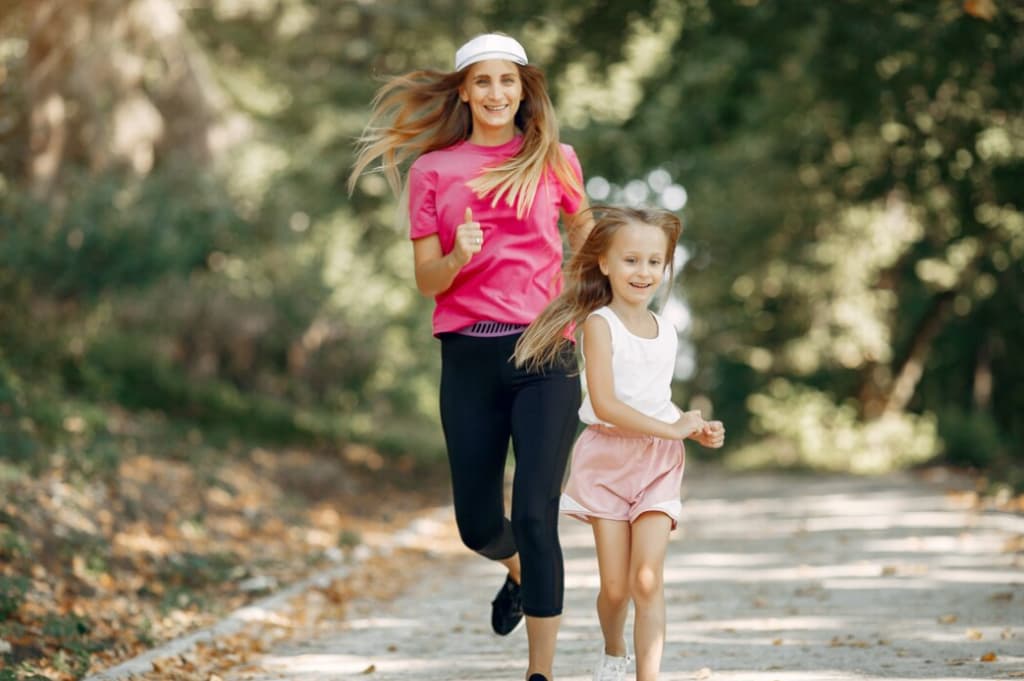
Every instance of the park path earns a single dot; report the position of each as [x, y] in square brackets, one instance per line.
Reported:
[771, 578]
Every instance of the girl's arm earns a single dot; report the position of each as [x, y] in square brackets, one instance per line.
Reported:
[597, 348]
[578, 224]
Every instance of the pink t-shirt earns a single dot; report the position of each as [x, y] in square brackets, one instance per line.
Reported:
[519, 269]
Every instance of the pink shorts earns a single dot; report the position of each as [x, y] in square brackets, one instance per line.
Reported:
[620, 475]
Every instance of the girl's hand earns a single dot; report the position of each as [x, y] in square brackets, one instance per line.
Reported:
[688, 423]
[469, 239]
[711, 435]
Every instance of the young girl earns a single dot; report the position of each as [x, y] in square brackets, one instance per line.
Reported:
[627, 466]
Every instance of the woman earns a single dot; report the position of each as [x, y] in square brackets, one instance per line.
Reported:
[486, 190]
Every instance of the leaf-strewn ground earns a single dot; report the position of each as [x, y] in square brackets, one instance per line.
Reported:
[93, 572]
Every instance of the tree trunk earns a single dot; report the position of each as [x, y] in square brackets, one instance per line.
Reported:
[55, 27]
[912, 367]
[981, 390]
[114, 84]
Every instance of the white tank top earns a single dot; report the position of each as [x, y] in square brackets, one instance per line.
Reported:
[642, 369]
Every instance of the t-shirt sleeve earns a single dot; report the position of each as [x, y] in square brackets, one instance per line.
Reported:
[422, 203]
[570, 199]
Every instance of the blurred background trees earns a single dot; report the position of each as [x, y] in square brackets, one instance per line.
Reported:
[180, 263]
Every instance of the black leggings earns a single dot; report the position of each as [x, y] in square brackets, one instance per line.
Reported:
[485, 400]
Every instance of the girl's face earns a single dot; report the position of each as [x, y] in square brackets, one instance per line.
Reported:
[493, 90]
[635, 263]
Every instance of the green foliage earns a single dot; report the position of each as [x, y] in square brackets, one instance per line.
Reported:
[12, 594]
[67, 627]
[973, 440]
[196, 570]
[12, 545]
[853, 172]
[114, 233]
[799, 427]
[17, 441]
[71, 631]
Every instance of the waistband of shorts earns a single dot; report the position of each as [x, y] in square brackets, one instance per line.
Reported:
[614, 431]
[489, 329]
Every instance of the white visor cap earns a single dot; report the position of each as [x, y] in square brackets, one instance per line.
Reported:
[490, 46]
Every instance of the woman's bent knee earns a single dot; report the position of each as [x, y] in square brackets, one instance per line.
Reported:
[493, 543]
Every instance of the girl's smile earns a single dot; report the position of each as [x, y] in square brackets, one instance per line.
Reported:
[635, 263]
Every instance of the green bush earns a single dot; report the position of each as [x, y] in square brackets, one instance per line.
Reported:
[114, 233]
[971, 439]
[12, 594]
[801, 427]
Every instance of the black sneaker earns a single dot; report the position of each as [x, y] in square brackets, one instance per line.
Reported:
[506, 608]
[537, 677]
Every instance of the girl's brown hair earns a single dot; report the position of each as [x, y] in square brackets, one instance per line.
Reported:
[421, 111]
[586, 287]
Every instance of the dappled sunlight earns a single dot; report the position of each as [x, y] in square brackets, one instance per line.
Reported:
[346, 664]
[756, 624]
[828, 574]
[738, 559]
[381, 623]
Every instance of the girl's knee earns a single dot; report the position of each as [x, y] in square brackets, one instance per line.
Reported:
[614, 594]
[646, 584]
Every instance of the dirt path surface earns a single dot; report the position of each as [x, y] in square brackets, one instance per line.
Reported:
[771, 578]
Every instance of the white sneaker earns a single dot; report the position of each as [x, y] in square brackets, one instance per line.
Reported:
[611, 668]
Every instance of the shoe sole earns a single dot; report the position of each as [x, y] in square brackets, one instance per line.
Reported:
[519, 625]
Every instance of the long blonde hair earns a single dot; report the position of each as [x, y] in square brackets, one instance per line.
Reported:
[421, 111]
[587, 287]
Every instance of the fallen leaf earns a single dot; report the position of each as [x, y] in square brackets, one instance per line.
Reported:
[974, 634]
[947, 619]
[703, 673]
[990, 656]
[981, 9]
[369, 670]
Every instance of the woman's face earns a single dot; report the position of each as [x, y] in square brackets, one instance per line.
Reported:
[493, 90]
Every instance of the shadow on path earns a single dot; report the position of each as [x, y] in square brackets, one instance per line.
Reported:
[771, 578]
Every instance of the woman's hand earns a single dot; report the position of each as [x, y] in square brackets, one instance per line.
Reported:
[711, 435]
[469, 239]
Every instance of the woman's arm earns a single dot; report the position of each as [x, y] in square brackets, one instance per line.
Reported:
[597, 348]
[436, 271]
[578, 224]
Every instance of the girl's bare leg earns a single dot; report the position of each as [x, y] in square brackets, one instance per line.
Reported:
[650, 534]
[612, 539]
